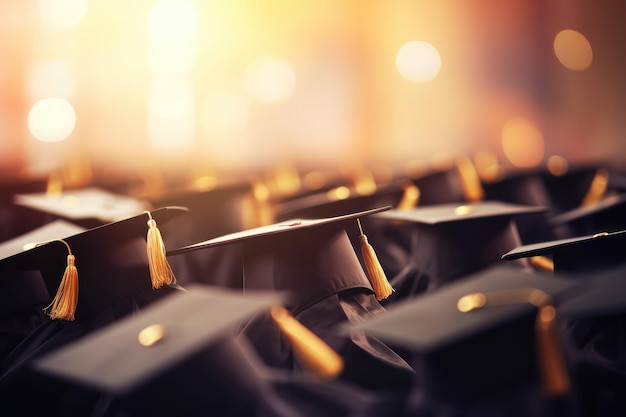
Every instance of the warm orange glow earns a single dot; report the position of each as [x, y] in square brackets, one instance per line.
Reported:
[171, 98]
[53, 78]
[522, 142]
[171, 133]
[418, 62]
[573, 50]
[270, 80]
[62, 14]
[173, 22]
[487, 165]
[557, 165]
[51, 119]
[223, 114]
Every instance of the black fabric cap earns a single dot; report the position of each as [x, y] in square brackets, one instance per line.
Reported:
[605, 215]
[460, 354]
[117, 359]
[111, 261]
[317, 251]
[579, 254]
[88, 207]
[341, 200]
[448, 241]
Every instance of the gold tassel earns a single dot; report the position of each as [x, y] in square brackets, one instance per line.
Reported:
[381, 285]
[315, 354]
[542, 262]
[554, 375]
[160, 271]
[410, 197]
[470, 181]
[63, 305]
[597, 189]
[555, 379]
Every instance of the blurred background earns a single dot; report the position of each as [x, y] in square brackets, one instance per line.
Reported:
[106, 90]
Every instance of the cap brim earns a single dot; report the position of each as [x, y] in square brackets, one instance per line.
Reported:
[270, 230]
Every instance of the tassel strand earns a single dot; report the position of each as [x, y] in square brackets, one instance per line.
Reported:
[160, 271]
[63, 305]
[382, 287]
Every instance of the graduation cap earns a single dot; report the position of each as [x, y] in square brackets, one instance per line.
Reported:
[448, 241]
[456, 182]
[224, 208]
[114, 260]
[607, 214]
[345, 200]
[481, 334]
[578, 255]
[314, 263]
[88, 207]
[183, 353]
[318, 251]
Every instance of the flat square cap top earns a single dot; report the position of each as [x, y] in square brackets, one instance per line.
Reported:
[129, 353]
[278, 230]
[57, 229]
[434, 320]
[85, 203]
[455, 213]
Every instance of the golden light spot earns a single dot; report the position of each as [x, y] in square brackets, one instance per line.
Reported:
[314, 180]
[51, 119]
[573, 50]
[463, 210]
[62, 14]
[471, 302]
[151, 335]
[522, 142]
[557, 165]
[270, 80]
[418, 61]
[172, 22]
[338, 193]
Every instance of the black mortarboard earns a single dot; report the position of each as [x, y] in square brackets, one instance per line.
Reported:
[579, 254]
[448, 241]
[24, 293]
[225, 208]
[318, 250]
[147, 356]
[198, 363]
[313, 260]
[580, 185]
[476, 337]
[527, 187]
[607, 214]
[111, 259]
[457, 182]
[345, 200]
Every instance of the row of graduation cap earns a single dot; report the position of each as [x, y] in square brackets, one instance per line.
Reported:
[416, 352]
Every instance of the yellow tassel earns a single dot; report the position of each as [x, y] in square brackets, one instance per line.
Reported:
[160, 271]
[63, 305]
[410, 197]
[597, 189]
[555, 380]
[381, 285]
[470, 181]
[315, 354]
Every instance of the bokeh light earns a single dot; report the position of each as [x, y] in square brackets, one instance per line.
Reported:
[223, 114]
[557, 165]
[53, 78]
[270, 80]
[62, 14]
[418, 61]
[170, 98]
[573, 50]
[172, 22]
[522, 142]
[51, 119]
